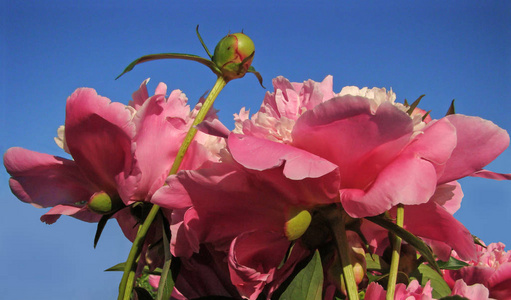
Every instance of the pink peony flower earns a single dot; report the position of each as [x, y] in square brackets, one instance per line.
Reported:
[475, 291]
[491, 268]
[119, 152]
[385, 157]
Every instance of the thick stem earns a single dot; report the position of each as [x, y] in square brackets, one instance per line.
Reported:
[336, 219]
[396, 249]
[128, 277]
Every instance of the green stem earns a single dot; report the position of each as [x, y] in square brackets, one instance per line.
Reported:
[336, 219]
[396, 249]
[128, 277]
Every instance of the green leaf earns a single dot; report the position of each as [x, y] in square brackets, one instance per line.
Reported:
[414, 105]
[208, 63]
[451, 264]
[308, 283]
[424, 274]
[411, 239]
[451, 110]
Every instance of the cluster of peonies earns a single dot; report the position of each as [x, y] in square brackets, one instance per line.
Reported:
[248, 207]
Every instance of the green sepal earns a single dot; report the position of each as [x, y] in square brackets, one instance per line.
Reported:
[424, 273]
[414, 105]
[411, 239]
[451, 264]
[257, 74]
[308, 282]
[208, 63]
[101, 226]
[451, 110]
[426, 115]
[202, 42]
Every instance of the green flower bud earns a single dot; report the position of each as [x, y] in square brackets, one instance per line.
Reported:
[102, 203]
[234, 55]
[297, 223]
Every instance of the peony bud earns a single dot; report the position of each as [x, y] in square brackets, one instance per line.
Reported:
[297, 223]
[233, 55]
[103, 204]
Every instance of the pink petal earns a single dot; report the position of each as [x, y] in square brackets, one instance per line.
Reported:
[140, 95]
[499, 283]
[253, 261]
[478, 143]
[375, 292]
[45, 180]
[260, 154]
[98, 134]
[407, 180]
[431, 221]
[475, 291]
[81, 213]
[449, 196]
[157, 142]
[347, 133]
[491, 175]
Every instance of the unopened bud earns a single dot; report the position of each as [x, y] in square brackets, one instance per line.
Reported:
[102, 203]
[297, 223]
[234, 55]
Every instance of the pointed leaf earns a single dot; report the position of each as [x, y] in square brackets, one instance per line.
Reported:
[414, 104]
[411, 239]
[208, 63]
[308, 283]
[451, 110]
[426, 115]
[451, 264]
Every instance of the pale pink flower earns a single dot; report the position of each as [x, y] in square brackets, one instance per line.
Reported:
[475, 291]
[491, 268]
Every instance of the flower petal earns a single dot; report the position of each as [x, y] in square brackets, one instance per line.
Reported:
[478, 143]
[260, 154]
[45, 180]
[98, 134]
[81, 213]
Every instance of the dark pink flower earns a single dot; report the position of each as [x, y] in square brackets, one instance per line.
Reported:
[244, 212]
[124, 152]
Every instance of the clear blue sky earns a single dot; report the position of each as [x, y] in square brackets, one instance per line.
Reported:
[457, 50]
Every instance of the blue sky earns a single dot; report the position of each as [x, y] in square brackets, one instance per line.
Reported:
[457, 50]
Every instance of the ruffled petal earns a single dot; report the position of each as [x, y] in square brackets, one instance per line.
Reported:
[99, 134]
